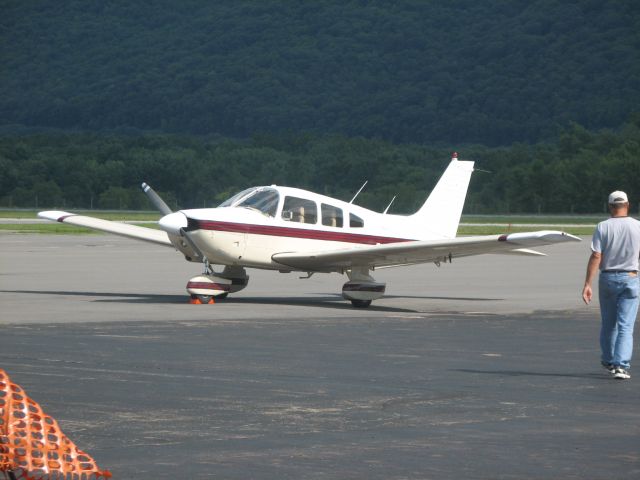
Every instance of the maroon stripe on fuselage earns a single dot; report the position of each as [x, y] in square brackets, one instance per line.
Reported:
[292, 232]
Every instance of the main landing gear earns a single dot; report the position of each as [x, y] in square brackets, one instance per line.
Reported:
[361, 288]
[203, 289]
[360, 303]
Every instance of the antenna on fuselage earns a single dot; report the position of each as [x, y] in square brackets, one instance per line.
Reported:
[358, 192]
[387, 209]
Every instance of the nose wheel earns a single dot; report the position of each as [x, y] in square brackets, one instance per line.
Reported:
[201, 300]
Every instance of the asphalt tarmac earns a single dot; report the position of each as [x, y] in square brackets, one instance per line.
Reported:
[483, 369]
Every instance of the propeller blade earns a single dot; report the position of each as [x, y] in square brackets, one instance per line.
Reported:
[155, 199]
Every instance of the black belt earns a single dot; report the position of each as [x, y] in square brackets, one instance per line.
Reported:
[619, 271]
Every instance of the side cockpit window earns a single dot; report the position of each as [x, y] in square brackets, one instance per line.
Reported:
[299, 210]
[331, 216]
[265, 201]
[355, 221]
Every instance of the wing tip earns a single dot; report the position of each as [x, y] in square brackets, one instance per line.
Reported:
[55, 215]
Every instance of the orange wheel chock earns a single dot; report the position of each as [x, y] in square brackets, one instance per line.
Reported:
[196, 301]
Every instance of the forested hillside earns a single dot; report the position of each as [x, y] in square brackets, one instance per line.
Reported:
[572, 174]
[452, 72]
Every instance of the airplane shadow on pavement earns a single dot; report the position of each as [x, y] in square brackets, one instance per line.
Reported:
[107, 296]
[460, 299]
[332, 301]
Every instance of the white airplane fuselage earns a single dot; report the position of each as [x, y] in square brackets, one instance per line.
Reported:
[236, 235]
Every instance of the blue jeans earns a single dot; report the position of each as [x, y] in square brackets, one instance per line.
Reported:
[618, 293]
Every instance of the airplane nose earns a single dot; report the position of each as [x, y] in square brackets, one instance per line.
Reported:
[173, 222]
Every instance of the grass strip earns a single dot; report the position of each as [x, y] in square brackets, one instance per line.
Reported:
[106, 215]
[497, 230]
[62, 229]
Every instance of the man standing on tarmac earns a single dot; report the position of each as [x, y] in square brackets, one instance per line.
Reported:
[615, 248]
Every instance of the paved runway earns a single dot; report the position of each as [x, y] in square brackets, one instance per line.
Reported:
[485, 368]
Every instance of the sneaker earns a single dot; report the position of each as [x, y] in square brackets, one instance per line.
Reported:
[621, 374]
[609, 367]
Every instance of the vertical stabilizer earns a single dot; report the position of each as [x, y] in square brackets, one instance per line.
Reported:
[440, 214]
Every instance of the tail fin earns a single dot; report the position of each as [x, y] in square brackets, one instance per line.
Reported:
[440, 214]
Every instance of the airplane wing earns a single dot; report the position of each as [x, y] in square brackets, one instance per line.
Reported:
[132, 231]
[421, 251]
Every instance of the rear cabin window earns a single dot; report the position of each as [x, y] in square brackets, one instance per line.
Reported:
[331, 216]
[299, 210]
[355, 221]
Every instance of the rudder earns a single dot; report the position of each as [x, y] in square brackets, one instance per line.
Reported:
[440, 214]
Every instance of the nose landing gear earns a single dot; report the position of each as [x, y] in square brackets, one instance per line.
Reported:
[201, 300]
[203, 289]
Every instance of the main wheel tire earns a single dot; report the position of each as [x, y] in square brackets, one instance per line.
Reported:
[361, 303]
[222, 296]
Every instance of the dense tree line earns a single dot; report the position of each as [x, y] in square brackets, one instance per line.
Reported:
[460, 71]
[571, 174]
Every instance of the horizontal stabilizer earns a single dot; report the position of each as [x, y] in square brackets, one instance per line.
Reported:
[542, 237]
[131, 231]
[523, 251]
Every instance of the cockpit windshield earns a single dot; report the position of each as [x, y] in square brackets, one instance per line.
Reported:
[238, 196]
[263, 199]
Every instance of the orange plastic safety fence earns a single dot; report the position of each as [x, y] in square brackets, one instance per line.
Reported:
[32, 446]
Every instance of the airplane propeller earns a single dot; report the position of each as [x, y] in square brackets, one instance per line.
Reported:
[174, 223]
[155, 199]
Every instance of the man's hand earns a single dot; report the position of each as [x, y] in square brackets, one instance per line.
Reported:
[592, 270]
[587, 294]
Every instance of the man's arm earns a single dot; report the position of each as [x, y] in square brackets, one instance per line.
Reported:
[592, 269]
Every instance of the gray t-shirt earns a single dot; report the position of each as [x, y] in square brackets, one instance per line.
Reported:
[618, 240]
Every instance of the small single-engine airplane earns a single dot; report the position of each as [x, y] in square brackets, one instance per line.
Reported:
[289, 229]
